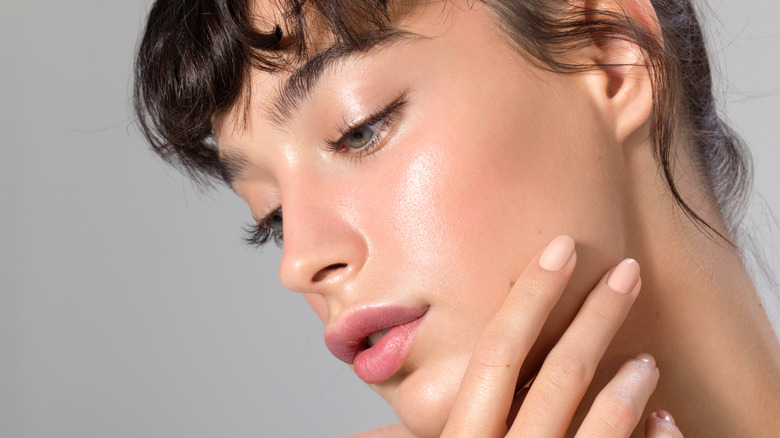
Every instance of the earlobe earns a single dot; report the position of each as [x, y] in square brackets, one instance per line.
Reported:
[622, 83]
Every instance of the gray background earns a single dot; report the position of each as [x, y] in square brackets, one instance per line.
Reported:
[128, 306]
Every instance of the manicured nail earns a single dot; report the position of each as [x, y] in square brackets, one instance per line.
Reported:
[644, 357]
[623, 279]
[557, 254]
[663, 415]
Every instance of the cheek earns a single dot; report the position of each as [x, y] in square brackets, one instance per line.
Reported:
[459, 215]
[443, 213]
[420, 221]
[456, 203]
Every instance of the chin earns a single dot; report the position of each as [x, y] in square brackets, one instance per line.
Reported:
[424, 411]
[424, 399]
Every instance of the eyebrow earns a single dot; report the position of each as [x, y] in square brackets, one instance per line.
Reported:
[232, 163]
[300, 85]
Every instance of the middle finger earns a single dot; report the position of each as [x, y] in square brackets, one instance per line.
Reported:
[485, 396]
[568, 370]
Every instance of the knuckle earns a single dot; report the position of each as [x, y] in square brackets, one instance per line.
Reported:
[536, 289]
[493, 356]
[569, 370]
[617, 413]
[601, 310]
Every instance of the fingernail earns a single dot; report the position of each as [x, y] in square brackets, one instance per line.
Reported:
[644, 357]
[663, 415]
[557, 254]
[623, 279]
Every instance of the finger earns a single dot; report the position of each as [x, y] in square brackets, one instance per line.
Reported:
[619, 406]
[661, 425]
[485, 396]
[569, 367]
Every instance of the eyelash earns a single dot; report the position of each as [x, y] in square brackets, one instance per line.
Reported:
[259, 234]
[386, 117]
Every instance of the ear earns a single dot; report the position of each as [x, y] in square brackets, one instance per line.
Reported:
[621, 82]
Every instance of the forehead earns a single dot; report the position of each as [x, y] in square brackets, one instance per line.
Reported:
[317, 35]
[273, 98]
[315, 45]
[297, 41]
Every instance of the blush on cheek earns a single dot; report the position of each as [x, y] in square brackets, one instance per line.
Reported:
[416, 213]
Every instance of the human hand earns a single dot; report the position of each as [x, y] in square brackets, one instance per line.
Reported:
[487, 392]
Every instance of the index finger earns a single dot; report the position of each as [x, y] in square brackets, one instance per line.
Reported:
[487, 389]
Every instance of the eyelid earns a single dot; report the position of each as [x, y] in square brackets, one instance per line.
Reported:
[377, 116]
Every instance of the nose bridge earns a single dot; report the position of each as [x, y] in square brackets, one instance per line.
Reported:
[323, 247]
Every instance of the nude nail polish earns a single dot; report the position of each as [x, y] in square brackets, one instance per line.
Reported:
[624, 277]
[663, 415]
[644, 357]
[557, 254]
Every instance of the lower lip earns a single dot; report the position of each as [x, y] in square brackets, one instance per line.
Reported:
[378, 363]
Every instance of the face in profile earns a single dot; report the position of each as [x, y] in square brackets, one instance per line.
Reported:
[414, 182]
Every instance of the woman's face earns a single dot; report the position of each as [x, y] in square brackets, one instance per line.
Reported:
[468, 162]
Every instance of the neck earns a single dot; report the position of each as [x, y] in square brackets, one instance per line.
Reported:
[699, 314]
[701, 317]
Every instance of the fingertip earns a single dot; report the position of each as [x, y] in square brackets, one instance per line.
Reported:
[647, 358]
[661, 424]
[557, 254]
[624, 277]
[665, 416]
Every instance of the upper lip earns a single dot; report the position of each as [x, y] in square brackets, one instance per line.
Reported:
[348, 336]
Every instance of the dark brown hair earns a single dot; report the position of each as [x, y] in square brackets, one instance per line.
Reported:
[195, 58]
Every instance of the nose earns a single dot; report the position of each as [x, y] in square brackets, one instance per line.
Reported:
[323, 247]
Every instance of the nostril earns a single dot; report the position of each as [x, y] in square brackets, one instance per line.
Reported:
[324, 272]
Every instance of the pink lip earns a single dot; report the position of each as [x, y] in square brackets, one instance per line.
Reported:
[348, 339]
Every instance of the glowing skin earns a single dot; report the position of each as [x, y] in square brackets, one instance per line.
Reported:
[486, 161]
[478, 172]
